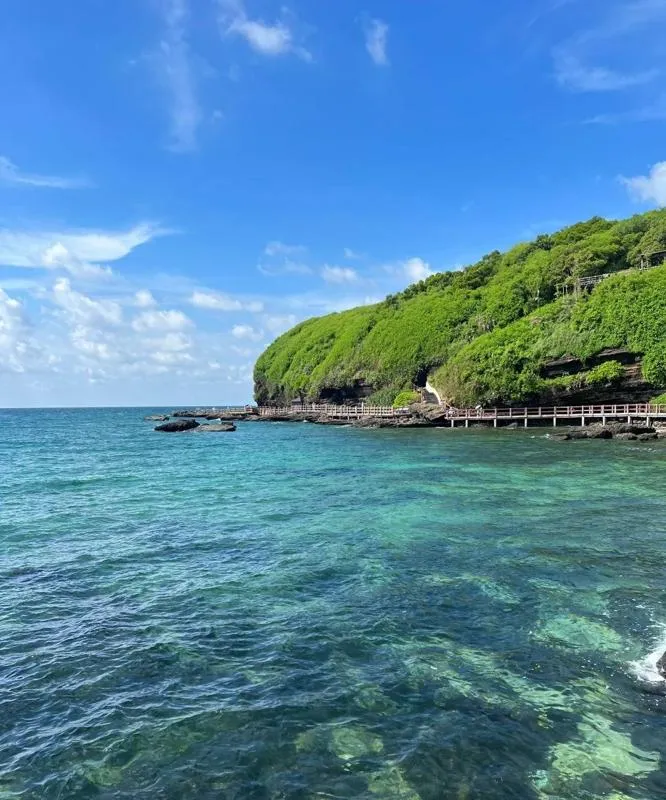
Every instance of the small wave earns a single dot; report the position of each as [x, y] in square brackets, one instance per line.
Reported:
[645, 669]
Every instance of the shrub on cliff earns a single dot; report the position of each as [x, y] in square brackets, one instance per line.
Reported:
[406, 399]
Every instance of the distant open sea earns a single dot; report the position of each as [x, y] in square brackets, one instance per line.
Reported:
[296, 611]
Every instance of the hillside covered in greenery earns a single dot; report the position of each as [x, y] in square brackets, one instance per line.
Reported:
[488, 333]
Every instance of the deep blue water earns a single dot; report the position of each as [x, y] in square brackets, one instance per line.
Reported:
[294, 611]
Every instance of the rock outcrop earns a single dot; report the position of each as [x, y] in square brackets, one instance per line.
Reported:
[178, 426]
[156, 418]
[223, 415]
[435, 415]
[222, 427]
[613, 430]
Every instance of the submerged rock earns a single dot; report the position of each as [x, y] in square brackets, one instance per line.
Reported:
[575, 632]
[178, 426]
[222, 427]
[350, 742]
[156, 418]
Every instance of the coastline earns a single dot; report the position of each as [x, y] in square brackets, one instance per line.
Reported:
[640, 426]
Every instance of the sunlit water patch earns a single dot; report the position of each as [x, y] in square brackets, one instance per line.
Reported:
[302, 612]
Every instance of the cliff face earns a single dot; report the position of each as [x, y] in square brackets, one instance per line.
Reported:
[509, 329]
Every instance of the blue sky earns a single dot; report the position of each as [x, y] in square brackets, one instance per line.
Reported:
[182, 180]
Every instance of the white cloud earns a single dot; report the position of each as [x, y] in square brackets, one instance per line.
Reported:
[416, 269]
[285, 267]
[82, 309]
[76, 252]
[278, 324]
[57, 256]
[161, 321]
[176, 71]
[352, 255]
[144, 299]
[81, 340]
[282, 249]
[376, 41]
[339, 274]
[11, 174]
[13, 342]
[573, 74]
[279, 259]
[214, 301]
[247, 332]
[271, 40]
[650, 188]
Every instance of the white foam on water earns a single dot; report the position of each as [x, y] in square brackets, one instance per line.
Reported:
[645, 669]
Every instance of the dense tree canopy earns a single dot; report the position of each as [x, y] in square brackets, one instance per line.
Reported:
[483, 333]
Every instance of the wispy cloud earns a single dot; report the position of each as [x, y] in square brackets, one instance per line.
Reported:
[413, 269]
[12, 175]
[176, 71]
[79, 253]
[268, 39]
[650, 188]
[653, 112]
[282, 249]
[168, 320]
[616, 52]
[376, 41]
[339, 274]
[215, 301]
[283, 259]
[574, 74]
[247, 332]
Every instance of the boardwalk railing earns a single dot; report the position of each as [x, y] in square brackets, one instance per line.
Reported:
[582, 412]
[343, 412]
[561, 412]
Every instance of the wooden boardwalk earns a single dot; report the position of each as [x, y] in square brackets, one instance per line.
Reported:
[571, 415]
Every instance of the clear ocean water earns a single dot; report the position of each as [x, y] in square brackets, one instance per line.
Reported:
[295, 611]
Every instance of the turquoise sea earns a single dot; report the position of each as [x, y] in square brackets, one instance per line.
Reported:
[295, 611]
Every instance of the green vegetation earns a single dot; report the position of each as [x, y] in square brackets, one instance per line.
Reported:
[483, 334]
[406, 399]
[605, 374]
[659, 400]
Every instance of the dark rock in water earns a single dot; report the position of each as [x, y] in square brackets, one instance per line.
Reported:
[177, 426]
[647, 437]
[433, 414]
[391, 422]
[512, 426]
[156, 418]
[627, 437]
[625, 427]
[222, 427]
[560, 437]
[324, 420]
[599, 432]
[661, 666]
[578, 433]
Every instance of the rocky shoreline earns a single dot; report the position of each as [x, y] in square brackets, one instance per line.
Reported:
[420, 415]
[430, 416]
